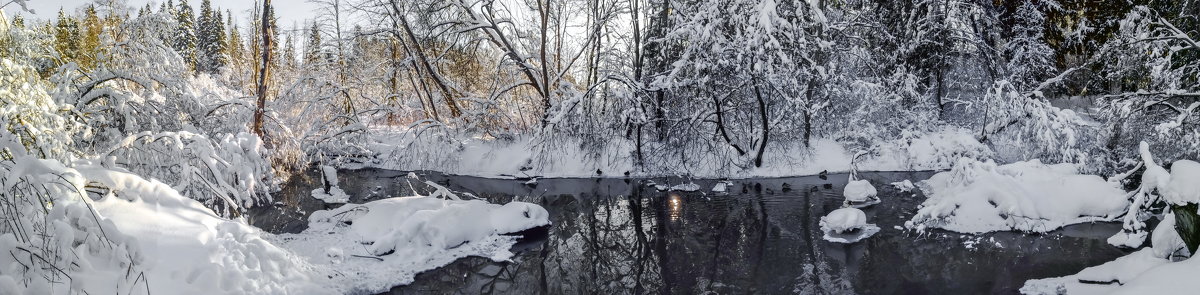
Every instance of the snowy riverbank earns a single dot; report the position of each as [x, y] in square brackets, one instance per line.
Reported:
[139, 236]
[399, 149]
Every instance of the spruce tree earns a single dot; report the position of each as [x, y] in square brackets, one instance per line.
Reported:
[66, 37]
[312, 48]
[289, 51]
[234, 48]
[210, 35]
[185, 33]
[90, 46]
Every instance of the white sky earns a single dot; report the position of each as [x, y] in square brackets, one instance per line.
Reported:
[290, 11]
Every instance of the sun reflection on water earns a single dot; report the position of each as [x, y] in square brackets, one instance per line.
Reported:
[676, 207]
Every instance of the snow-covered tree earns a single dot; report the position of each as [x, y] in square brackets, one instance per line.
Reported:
[1029, 59]
[211, 42]
[185, 41]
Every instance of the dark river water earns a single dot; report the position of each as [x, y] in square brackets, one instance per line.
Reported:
[617, 236]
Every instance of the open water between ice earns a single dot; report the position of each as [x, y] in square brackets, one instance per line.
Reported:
[616, 236]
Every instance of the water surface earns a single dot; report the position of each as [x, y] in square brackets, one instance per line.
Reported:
[617, 236]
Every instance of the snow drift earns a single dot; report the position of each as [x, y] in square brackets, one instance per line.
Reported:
[979, 197]
[130, 235]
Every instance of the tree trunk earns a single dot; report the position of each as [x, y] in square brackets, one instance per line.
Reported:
[766, 128]
[264, 70]
[423, 61]
[544, 12]
[721, 127]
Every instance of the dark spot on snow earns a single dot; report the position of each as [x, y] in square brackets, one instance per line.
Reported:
[526, 212]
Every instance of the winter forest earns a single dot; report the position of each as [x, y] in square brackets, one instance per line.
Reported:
[600, 146]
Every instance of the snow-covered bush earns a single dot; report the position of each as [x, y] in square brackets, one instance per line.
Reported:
[31, 117]
[229, 172]
[1031, 128]
[53, 239]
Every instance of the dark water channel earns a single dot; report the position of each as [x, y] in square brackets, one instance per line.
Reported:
[617, 236]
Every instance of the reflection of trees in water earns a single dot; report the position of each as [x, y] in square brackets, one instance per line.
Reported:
[622, 237]
[648, 243]
[608, 248]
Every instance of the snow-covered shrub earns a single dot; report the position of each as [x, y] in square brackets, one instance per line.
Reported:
[30, 117]
[53, 240]
[1025, 126]
[140, 84]
[229, 172]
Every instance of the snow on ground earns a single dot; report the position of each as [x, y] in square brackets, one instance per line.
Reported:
[1099, 279]
[188, 249]
[979, 197]
[397, 149]
[139, 236]
[335, 195]
[368, 248]
[721, 186]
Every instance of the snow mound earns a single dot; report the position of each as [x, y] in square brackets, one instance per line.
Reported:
[979, 197]
[721, 186]
[904, 186]
[387, 242]
[686, 187]
[1100, 279]
[1184, 184]
[1165, 240]
[847, 225]
[860, 193]
[130, 235]
[335, 195]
